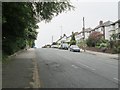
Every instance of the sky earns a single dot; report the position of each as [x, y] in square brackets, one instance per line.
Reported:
[67, 22]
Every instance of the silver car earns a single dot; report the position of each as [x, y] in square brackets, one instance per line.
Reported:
[74, 48]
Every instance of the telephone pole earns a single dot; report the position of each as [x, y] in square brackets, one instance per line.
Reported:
[52, 39]
[61, 30]
[83, 34]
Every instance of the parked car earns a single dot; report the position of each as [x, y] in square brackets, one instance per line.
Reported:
[54, 46]
[64, 46]
[74, 48]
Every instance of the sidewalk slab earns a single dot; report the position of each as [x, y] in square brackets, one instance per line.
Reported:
[18, 73]
[114, 56]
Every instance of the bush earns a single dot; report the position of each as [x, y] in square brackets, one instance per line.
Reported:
[90, 42]
[118, 50]
[103, 45]
[72, 42]
[93, 39]
[116, 47]
[82, 44]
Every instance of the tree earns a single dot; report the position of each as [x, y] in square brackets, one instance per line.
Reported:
[73, 41]
[19, 22]
[94, 38]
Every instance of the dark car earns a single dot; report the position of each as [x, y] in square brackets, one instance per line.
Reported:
[74, 48]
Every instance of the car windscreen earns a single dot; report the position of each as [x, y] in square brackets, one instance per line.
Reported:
[65, 44]
[75, 46]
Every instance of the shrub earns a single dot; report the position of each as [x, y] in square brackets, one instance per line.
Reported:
[90, 42]
[93, 39]
[103, 45]
[81, 44]
[73, 41]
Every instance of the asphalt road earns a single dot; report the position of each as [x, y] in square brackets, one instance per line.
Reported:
[65, 69]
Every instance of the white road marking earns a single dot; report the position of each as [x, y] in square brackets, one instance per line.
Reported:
[87, 66]
[74, 66]
[116, 79]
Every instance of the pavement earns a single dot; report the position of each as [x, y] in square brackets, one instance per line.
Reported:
[114, 56]
[19, 72]
[55, 68]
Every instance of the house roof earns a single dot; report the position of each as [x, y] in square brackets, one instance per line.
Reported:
[76, 33]
[61, 38]
[69, 36]
[108, 23]
[88, 29]
[118, 21]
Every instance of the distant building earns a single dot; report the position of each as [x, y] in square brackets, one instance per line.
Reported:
[62, 39]
[87, 32]
[108, 28]
[68, 39]
[105, 28]
[78, 37]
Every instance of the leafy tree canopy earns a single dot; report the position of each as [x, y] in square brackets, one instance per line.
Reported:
[19, 21]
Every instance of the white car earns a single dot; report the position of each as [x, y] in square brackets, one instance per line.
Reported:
[64, 46]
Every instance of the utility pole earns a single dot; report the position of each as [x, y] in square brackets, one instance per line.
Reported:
[84, 34]
[61, 30]
[52, 39]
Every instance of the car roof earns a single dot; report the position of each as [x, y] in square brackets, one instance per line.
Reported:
[73, 45]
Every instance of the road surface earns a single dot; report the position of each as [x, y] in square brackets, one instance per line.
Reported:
[65, 69]
[55, 68]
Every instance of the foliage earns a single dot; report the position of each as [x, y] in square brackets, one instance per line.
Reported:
[104, 40]
[103, 45]
[19, 22]
[113, 37]
[93, 39]
[73, 41]
[116, 47]
[47, 10]
[81, 44]
[114, 43]
[100, 43]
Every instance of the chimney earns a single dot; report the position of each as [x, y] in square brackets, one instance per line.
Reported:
[64, 34]
[101, 22]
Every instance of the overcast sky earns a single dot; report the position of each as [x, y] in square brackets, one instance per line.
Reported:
[93, 11]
